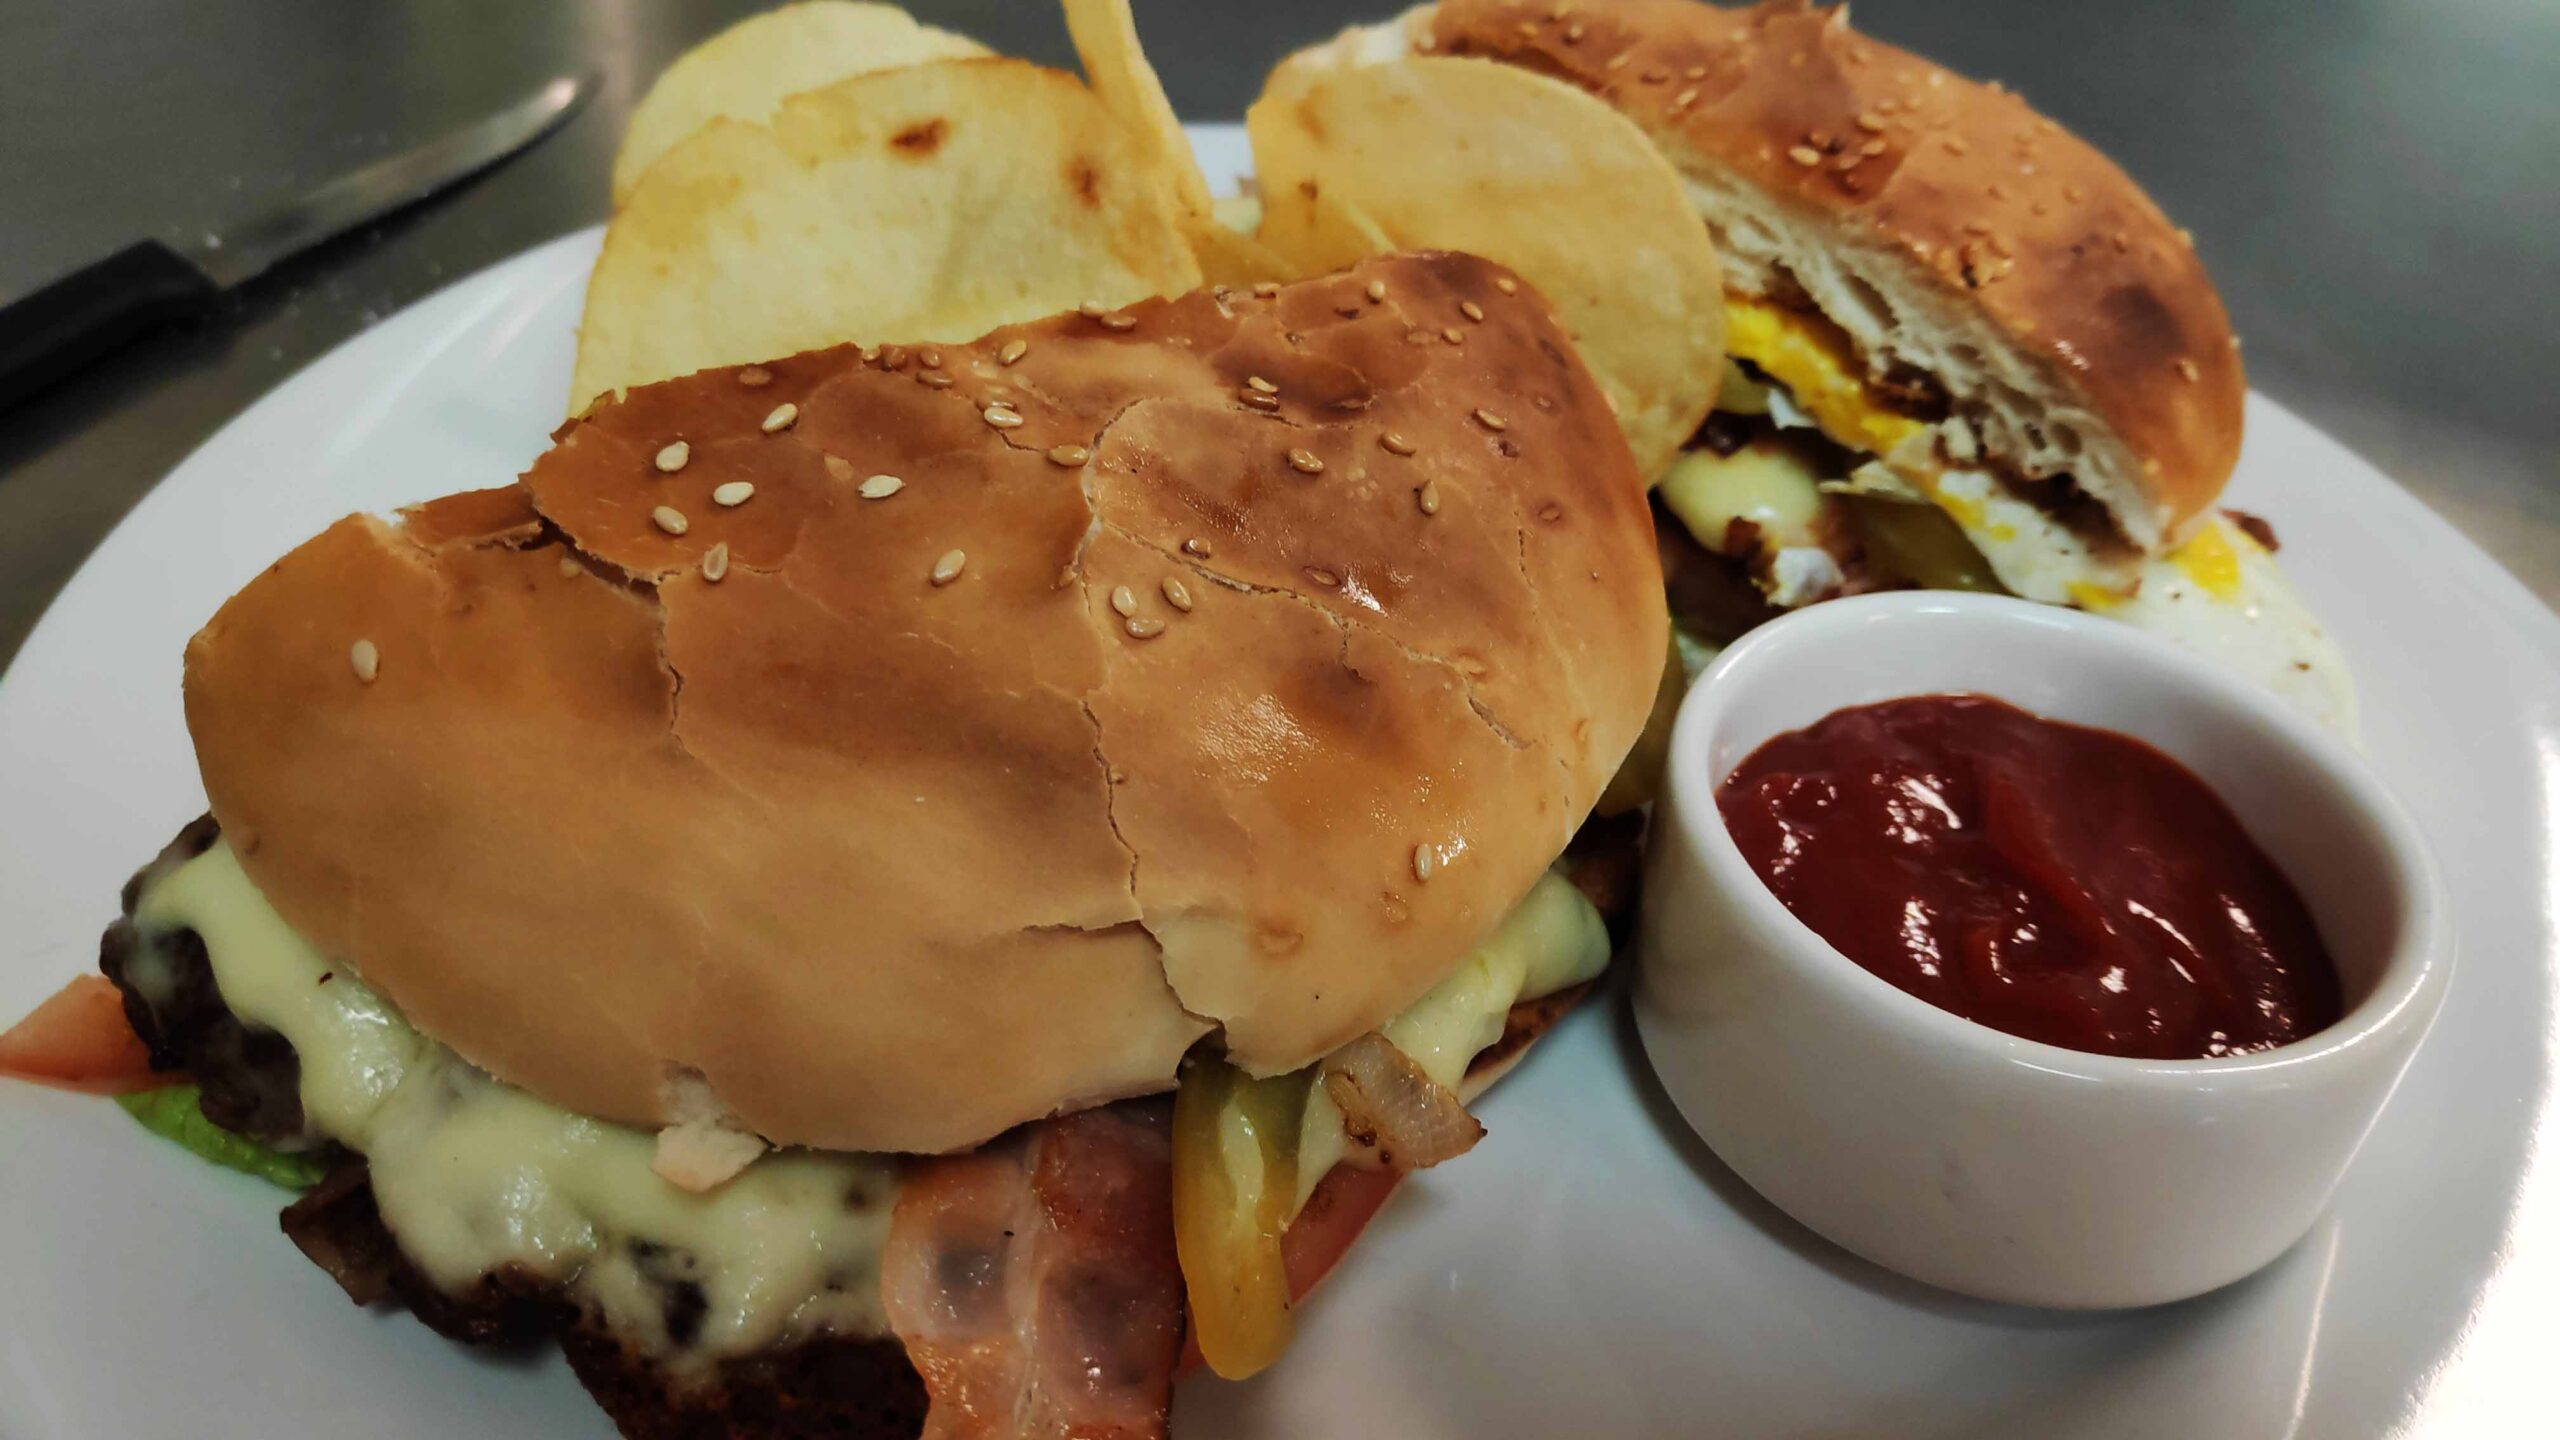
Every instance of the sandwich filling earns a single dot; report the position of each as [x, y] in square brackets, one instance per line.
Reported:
[474, 1178]
[1817, 477]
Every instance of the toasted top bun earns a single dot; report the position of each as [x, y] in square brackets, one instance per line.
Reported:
[1226, 711]
[1946, 226]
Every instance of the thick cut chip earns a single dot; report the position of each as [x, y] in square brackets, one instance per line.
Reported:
[1471, 155]
[934, 202]
[745, 71]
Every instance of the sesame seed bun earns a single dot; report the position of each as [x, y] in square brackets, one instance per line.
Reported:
[895, 864]
[1945, 225]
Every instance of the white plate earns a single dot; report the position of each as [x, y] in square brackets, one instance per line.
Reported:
[1590, 1270]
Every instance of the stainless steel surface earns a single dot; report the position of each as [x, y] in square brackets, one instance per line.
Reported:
[287, 224]
[2373, 181]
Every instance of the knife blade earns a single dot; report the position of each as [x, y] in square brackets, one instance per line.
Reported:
[73, 321]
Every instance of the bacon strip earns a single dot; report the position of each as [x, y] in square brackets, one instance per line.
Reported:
[1034, 1282]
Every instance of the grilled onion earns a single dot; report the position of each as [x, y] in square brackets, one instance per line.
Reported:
[1401, 1117]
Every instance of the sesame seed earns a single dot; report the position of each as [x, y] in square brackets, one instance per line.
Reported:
[1394, 444]
[935, 380]
[892, 356]
[1305, 462]
[839, 468]
[1003, 416]
[1619, 60]
[1872, 147]
[735, 493]
[1506, 285]
[1177, 594]
[948, 568]
[870, 353]
[1258, 383]
[1529, 28]
[2119, 241]
[1013, 350]
[1954, 146]
[1417, 336]
[1118, 320]
[1872, 123]
[366, 659]
[1685, 98]
[1324, 577]
[1376, 290]
[780, 418]
[715, 562]
[1489, 420]
[1452, 336]
[1091, 309]
[1424, 862]
[755, 377]
[1124, 600]
[673, 457]
[670, 519]
[1258, 400]
[1654, 76]
[1196, 546]
[880, 487]
[1143, 629]
[1471, 310]
[1573, 33]
[1069, 455]
[2186, 237]
[1427, 499]
[570, 569]
[1694, 72]
[1804, 155]
[2187, 370]
[929, 358]
[1848, 162]
[1265, 289]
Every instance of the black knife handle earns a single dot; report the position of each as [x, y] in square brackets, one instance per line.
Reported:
[91, 312]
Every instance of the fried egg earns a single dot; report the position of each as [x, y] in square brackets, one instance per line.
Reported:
[2220, 594]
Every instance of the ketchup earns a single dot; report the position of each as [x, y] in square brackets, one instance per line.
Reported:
[2063, 884]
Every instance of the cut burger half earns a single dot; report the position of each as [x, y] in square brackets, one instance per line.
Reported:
[1966, 351]
[797, 898]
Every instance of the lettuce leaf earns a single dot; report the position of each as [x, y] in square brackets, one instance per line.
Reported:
[175, 1113]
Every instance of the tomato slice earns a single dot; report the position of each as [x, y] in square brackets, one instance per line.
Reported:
[79, 1040]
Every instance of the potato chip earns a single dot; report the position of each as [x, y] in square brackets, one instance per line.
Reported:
[1460, 154]
[1106, 40]
[1235, 257]
[745, 71]
[934, 202]
[1316, 229]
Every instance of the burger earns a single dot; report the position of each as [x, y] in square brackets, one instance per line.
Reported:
[1964, 349]
[913, 888]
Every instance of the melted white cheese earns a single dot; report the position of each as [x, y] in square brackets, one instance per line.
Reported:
[472, 1174]
[1553, 939]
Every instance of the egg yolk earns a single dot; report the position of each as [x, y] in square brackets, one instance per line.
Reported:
[2211, 562]
[1813, 360]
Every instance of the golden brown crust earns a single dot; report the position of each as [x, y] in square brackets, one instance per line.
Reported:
[894, 864]
[1985, 198]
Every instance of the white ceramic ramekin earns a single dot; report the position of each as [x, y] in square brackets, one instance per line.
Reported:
[1969, 1158]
